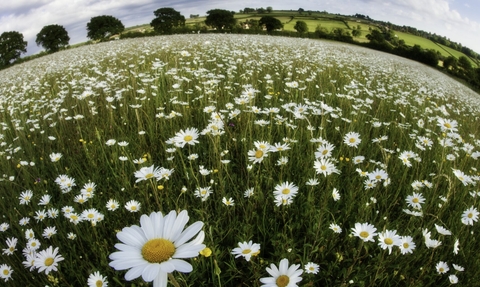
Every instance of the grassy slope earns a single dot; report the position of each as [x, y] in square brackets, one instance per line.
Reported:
[330, 22]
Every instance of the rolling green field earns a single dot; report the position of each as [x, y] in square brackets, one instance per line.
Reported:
[236, 160]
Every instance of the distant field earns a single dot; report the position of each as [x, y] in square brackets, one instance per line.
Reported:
[329, 22]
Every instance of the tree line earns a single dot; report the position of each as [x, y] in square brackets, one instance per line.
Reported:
[168, 21]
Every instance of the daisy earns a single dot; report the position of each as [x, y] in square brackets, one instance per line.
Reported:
[47, 260]
[71, 236]
[11, 244]
[112, 205]
[283, 200]
[285, 189]
[110, 142]
[49, 231]
[458, 267]
[248, 193]
[5, 272]
[133, 206]
[45, 200]
[189, 136]
[25, 197]
[335, 227]
[388, 239]
[465, 179]
[453, 279]
[312, 182]
[54, 157]
[415, 200]
[378, 175]
[246, 250]
[97, 280]
[283, 275]
[146, 173]
[447, 125]
[442, 230]
[203, 192]
[33, 244]
[407, 245]
[228, 202]
[335, 194]
[257, 155]
[156, 247]
[312, 268]
[442, 267]
[358, 159]
[89, 214]
[324, 151]
[325, 167]
[352, 139]
[364, 231]
[469, 216]
[29, 234]
[456, 247]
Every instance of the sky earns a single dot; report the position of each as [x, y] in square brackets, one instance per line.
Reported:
[458, 20]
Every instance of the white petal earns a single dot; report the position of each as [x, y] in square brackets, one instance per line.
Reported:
[157, 220]
[179, 225]
[190, 232]
[147, 227]
[283, 266]
[181, 266]
[131, 236]
[126, 264]
[161, 280]
[169, 224]
[150, 272]
[135, 272]
[186, 251]
[167, 267]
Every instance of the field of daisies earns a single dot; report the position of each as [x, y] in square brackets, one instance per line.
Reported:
[230, 160]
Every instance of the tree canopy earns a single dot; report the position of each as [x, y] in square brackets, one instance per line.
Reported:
[102, 27]
[220, 19]
[271, 23]
[52, 38]
[301, 27]
[12, 46]
[166, 19]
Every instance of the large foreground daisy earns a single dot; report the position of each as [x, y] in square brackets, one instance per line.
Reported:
[154, 249]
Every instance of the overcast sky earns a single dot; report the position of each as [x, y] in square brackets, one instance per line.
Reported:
[458, 20]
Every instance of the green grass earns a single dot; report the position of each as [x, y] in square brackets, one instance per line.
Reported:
[270, 112]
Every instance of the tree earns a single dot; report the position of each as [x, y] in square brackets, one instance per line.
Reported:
[271, 23]
[52, 38]
[301, 27]
[102, 27]
[300, 11]
[269, 9]
[220, 19]
[12, 46]
[356, 32]
[261, 10]
[166, 19]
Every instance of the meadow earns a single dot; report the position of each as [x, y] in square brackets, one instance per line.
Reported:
[298, 162]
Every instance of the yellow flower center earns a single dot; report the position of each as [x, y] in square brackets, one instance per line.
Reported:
[158, 250]
[324, 152]
[441, 269]
[188, 138]
[352, 140]
[99, 283]
[133, 207]
[406, 245]
[388, 241]
[286, 191]
[34, 244]
[49, 261]
[246, 251]
[364, 234]
[6, 272]
[378, 177]
[258, 154]
[90, 215]
[415, 200]
[470, 215]
[282, 280]
[447, 125]
[323, 167]
[149, 175]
